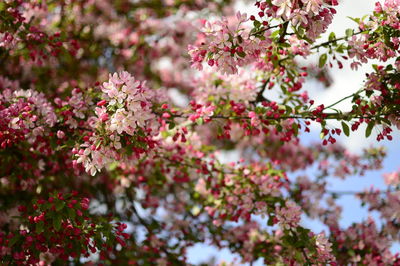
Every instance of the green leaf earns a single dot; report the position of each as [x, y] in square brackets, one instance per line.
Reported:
[340, 48]
[346, 129]
[240, 39]
[368, 131]
[241, 54]
[47, 206]
[299, 256]
[59, 205]
[369, 93]
[356, 20]
[322, 60]
[13, 240]
[39, 227]
[53, 143]
[275, 34]
[349, 32]
[284, 90]
[295, 128]
[113, 166]
[200, 121]
[71, 213]
[220, 131]
[270, 221]
[332, 36]
[164, 134]
[57, 222]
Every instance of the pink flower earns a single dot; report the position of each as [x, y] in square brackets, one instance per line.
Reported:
[299, 17]
[126, 107]
[392, 178]
[60, 134]
[227, 45]
[323, 249]
[288, 216]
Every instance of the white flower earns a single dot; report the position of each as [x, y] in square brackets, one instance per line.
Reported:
[313, 6]
[285, 7]
[298, 17]
[117, 121]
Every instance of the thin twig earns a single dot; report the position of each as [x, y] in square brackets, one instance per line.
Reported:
[345, 98]
[325, 116]
[335, 40]
[267, 28]
[350, 193]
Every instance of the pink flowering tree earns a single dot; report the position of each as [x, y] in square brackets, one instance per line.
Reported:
[115, 116]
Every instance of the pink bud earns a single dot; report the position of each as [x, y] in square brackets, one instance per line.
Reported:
[104, 117]
[101, 103]
[60, 134]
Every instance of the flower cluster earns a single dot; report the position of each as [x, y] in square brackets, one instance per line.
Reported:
[26, 115]
[313, 16]
[59, 226]
[131, 100]
[201, 113]
[379, 38]
[365, 236]
[250, 235]
[392, 179]
[123, 115]
[75, 110]
[227, 45]
[18, 35]
[234, 197]
[324, 249]
[288, 216]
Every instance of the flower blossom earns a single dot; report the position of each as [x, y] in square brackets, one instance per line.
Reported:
[227, 45]
[284, 7]
[392, 178]
[324, 249]
[124, 111]
[26, 112]
[313, 6]
[289, 215]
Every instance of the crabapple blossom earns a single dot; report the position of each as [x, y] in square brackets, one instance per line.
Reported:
[289, 215]
[125, 111]
[323, 248]
[227, 45]
[284, 7]
[392, 178]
